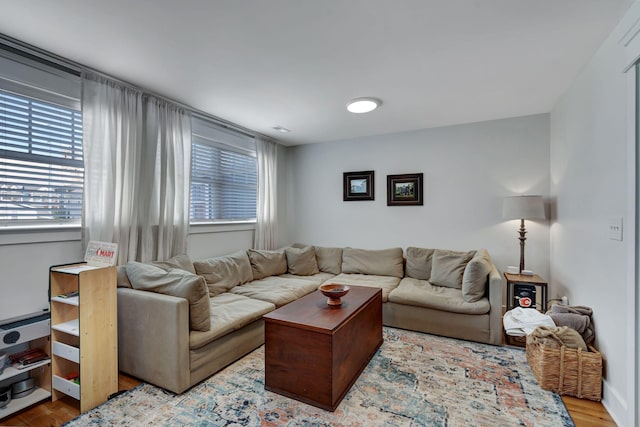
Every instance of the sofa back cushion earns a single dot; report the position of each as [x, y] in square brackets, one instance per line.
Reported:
[329, 259]
[419, 263]
[225, 272]
[267, 263]
[301, 261]
[123, 279]
[475, 276]
[447, 267]
[178, 283]
[182, 261]
[381, 262]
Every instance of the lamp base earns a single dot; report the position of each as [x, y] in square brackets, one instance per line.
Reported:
[522, 238]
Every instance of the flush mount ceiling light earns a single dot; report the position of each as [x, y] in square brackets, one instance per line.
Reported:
[281, 129]
[363, 105]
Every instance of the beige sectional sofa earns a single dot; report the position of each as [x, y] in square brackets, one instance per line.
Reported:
[181, 321]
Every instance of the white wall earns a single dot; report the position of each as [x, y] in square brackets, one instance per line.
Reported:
[468, 169]
[591, 182]
[206, 241]
[25, 259]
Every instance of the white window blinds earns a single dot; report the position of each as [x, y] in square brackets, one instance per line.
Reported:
[41, 168]
[223, 174]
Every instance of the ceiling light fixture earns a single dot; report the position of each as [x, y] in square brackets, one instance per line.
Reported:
[363, 105]
[281, 129]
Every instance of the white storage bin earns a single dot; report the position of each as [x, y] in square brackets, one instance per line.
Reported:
[69, 352]
[67, 387]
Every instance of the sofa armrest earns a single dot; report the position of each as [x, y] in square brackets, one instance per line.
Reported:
[496, 285]
[153, 338]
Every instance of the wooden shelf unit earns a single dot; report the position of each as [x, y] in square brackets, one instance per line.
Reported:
[33, 333]
[84, 333]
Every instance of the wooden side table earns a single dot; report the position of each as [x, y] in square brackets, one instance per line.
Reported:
[525, 291]
[520, 287]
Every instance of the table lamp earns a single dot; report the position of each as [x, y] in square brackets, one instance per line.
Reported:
[523, 207]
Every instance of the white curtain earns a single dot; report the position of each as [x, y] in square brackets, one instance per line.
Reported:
[266, 234]
[137, 156]
[166, 170]
[112, 131]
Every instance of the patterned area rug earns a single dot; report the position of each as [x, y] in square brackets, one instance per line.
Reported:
[414, 380]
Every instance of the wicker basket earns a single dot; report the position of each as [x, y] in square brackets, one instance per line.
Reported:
[569, 371]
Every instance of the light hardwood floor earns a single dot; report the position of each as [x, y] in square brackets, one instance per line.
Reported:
[585, 413]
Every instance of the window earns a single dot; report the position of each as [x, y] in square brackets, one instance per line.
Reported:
[223, 174]
[41, 167]
[41, 170]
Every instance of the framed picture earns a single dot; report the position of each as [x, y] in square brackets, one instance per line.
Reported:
[358, 186]
[404, 190]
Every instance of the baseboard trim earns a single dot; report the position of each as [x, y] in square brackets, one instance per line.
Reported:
[614, 404]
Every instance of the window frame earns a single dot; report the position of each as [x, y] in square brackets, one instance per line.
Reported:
[61, 170]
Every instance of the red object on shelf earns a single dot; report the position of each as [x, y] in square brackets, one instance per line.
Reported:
[72, 376]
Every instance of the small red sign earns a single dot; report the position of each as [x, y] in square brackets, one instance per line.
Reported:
[525, 302]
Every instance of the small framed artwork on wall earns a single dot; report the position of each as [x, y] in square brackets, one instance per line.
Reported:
[404, 190]
[358, 186]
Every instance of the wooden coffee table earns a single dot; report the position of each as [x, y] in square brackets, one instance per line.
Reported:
[314, 352]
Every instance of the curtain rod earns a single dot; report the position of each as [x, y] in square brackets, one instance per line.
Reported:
[21, 48]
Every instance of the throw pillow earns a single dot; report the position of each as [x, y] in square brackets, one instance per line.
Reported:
[267, 263]
[447, 267]
[382, 262]
[182, 261]
[419, 263]
[474, 279]
[329, 259]
[221, 274]
[123, 279]
[302, 261]
[178, 283]
[244, 265]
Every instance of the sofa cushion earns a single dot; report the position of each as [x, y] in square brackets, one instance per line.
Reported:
[175, 282]
[229, 312]
[277, 290]
[382, 262]
[419, 263]
[318, 278]
[301, 261]
[329, 259]
[386, 283]
[475, 276]
[223, 273]
[421, 293]
[182, 261]
[447, 267]
[122, 278]
[267, 263]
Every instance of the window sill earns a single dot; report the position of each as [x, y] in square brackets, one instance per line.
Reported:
[46, 233]
[221, 227]
[40, 233]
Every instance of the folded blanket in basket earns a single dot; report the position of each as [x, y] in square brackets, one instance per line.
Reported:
[577, 317]
[557, 336]
[575, 321]
[522, 321]
[573, 309]
[588, 336]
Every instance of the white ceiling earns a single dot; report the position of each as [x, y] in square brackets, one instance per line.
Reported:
[296, 63]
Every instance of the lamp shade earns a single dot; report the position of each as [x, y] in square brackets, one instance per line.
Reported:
[523, 207]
